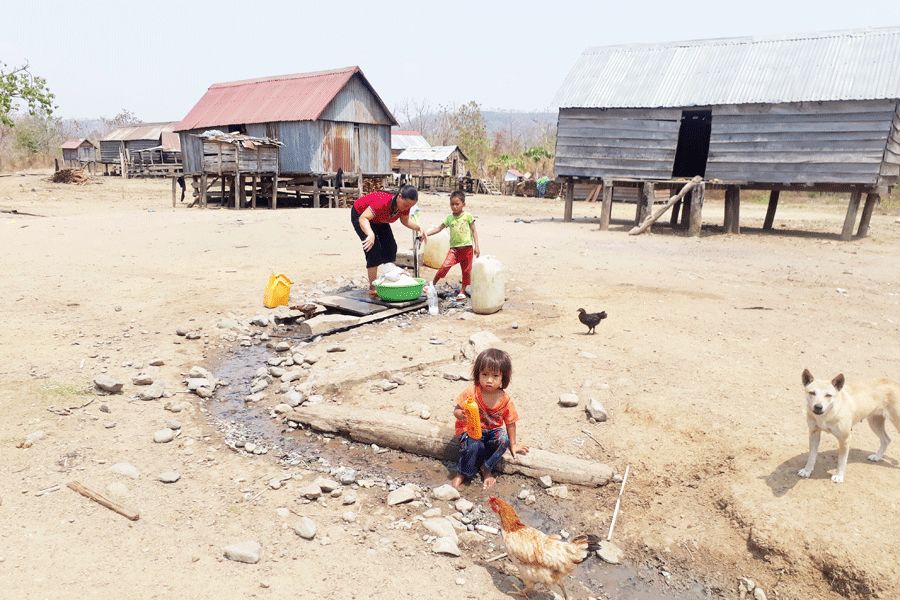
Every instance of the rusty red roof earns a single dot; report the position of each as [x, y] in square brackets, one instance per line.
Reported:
[299, 97]
[71, 144]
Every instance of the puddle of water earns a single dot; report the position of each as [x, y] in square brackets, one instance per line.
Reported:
[227, 408]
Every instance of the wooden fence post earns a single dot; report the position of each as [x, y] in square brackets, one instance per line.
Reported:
[697, 196]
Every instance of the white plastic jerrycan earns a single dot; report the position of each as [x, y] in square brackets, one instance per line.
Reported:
[436, 249]
[488, 292]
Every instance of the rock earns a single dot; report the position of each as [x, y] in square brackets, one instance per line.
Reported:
[141, 379]
[584, 354]
[478, 342]
[244, 552]
[759, 594]
[163, 436]
[293, 398]
[417, 409]
[401, 495]
[545, 481]
[311, 491]
[169, 477]
[282, 347]
[325, 323]
[200, 373]
[108, 384]
[260, 321]
[347, 477]
[463, 505]
[281, 409]
[275, 483]
[173, 424]
[387, 386]
[326, 485]
[305, 528]
[336, 349]
[445, 492]
[153, 392]
[156, 362]
[440, 526]
[568, 400]
[610, 553]
[349, 516]
[349, 498]
[445, 545]
[125, 469]
[596, 411]
[559, 491]
[182, 331]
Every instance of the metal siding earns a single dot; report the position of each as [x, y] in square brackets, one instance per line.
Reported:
[141, 131]
[616, 143]
[810, 142]
[401, 140]
[355, 103]
[845, 65]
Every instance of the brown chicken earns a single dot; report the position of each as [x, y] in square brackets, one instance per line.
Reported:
[591, 319]
[540, 558]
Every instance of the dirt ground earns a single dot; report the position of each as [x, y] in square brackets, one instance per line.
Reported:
[698, 364]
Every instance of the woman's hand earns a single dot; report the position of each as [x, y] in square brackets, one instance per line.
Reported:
[423, 235]
[368, 242]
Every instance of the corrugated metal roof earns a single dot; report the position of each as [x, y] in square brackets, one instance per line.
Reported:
[72, 144]
[434, 153]
[170, 141]
[401, 140]
[299, 97]
[859, 64]
[141, 131]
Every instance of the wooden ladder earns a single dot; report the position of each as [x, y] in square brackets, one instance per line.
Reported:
[489, 187]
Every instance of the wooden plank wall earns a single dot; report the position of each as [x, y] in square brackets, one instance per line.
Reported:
[638, 143]
[806, 142]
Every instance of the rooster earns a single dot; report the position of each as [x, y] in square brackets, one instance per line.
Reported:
[591, 319]
[540, 558]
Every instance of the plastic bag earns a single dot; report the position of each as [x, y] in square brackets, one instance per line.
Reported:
[389, 273]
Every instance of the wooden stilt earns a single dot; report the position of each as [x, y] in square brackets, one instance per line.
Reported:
[242, 191]
[173, 191]
[203, 178]
[275, 190]
[697, 196]
[850, 219]
[645, 202]
[253, 191]
[606, 210]
[676, 209]
[770, 212]
[570, 198]
[732, 209]
[871, 200]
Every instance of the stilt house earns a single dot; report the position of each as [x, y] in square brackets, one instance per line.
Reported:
[402, 140]
[809, 112]
[327, 122]
[433, 161]
[129, 141]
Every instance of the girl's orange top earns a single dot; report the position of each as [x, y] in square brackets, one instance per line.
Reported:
[491, 418]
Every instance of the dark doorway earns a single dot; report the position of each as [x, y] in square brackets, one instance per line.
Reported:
[693, 144]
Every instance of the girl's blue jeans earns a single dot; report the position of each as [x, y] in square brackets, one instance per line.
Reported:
[485, 452]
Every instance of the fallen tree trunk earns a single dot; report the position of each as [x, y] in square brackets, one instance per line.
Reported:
[425, 438]
[652, 219]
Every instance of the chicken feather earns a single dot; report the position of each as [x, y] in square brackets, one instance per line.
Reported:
[540, 558]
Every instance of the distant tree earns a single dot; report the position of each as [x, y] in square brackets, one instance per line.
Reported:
[414, 114]
[20, 85]
[471, 132]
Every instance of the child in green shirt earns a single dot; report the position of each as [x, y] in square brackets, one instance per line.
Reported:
[463, 241]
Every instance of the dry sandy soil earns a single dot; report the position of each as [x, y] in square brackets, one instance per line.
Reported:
[699, 365]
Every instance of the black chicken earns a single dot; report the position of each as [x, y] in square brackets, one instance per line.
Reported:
[591, 319]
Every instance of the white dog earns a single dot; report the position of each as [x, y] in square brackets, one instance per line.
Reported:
[836, 407]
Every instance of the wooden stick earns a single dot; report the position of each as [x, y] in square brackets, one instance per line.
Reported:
[590, 435]
[619, 499]
[126, 512]
[652, 219]
[498, 557]
[593, 195]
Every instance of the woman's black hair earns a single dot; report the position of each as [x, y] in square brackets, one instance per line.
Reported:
[408, 192]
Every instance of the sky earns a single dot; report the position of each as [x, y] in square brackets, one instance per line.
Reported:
[157, 59]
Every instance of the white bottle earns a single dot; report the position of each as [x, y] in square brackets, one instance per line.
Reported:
[488, 292]
[432, 299]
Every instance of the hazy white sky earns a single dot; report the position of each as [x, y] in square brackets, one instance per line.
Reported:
[156, 59]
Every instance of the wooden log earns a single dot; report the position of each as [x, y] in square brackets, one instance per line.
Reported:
[770, 212]
[606, 210]
[427, 438]
[850, 219]
[676, 198]
[697, 196]
[101, 499]
[570, 197]
[594, 193]
[871, 201]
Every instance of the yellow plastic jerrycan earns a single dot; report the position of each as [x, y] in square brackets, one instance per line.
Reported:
[278, 290]
[473, 419]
